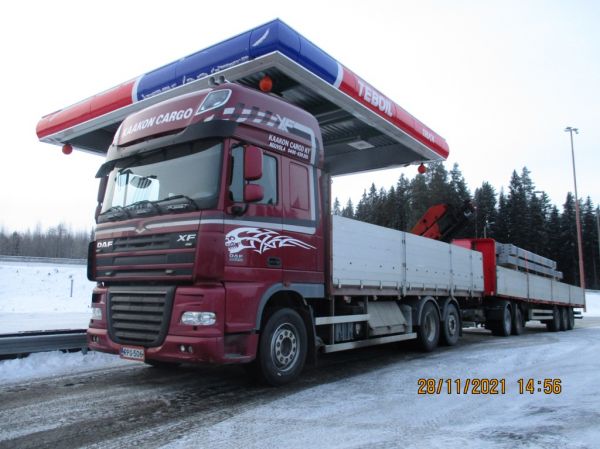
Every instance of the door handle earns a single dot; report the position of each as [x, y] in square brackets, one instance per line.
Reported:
[274, 262]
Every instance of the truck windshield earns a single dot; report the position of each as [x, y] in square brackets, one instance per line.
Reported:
[173, 179]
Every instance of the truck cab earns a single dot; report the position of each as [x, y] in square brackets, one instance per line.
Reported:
[208, 208]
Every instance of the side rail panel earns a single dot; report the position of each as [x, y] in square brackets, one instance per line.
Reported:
[531, 287]
[370, 257]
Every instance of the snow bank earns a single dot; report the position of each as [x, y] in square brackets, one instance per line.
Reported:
[45, 364]
[592, 303]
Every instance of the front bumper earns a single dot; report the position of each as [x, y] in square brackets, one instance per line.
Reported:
[184, 343]
[204, 349]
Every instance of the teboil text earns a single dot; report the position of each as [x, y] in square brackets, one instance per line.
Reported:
[376, 99]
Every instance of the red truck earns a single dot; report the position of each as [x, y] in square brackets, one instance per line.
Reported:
[215, 240]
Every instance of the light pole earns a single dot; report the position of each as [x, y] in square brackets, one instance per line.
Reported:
[572, 130]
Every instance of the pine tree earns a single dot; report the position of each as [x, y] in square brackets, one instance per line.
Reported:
[590, 244]
[567, 257]
[485, 217]
[518, 212]
[554, 233]
[348, 211]
[419, 199]
[336, 207]
[503, 225]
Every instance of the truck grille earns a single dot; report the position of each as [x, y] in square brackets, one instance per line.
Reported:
[167, 256]
[139, 316]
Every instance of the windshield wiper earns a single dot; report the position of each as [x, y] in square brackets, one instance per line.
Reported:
[115, 212]
[135, 207]
[190, 202]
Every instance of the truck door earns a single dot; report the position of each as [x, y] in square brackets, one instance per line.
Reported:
[301, 257]
[252, 241]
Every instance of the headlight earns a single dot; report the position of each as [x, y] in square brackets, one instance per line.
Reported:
[199, 318]
[96, 313]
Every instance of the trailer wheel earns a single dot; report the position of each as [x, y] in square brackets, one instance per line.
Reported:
[570, 318]
[554, 324]
[503, 327]
[451, 325]
[518, 323]
[282, 348]
[428, 333]
[564, 319]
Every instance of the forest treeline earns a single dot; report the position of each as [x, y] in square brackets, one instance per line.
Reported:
[522, 215]
[57, 241]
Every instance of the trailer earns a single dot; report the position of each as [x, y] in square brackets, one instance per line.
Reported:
[215, 241]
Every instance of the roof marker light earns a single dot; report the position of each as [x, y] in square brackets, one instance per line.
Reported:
[266, 83]
[67, 148]
[422, 169]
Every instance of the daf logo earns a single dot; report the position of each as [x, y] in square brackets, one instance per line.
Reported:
[186, 238]
[104, 245]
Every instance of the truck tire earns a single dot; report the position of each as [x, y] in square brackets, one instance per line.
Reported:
[282, 348]
[451, 325]
[564, 319]
[570, 318]
[518, 323]
[503, 328]
[428, 333]
[554, 324]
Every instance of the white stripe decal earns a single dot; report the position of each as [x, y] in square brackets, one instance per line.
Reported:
[340, 76]
[134, 89]
[268, 225]
[262, 224]
[100, 232]
[167, 224]
[262, 38]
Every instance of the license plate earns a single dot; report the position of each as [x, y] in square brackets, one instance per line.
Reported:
[132, 353]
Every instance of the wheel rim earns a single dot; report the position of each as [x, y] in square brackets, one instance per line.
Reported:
[429, 326]
[452, 324]
[284, 347]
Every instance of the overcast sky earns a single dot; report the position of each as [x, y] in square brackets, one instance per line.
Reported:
[499, 80]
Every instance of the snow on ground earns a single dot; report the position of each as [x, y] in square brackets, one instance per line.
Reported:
[46, 364]
[382, 408]
[37, 296]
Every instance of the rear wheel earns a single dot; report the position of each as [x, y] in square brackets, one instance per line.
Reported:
[503, 327]
[518, 323]
[428, 333]
[570, 318]
[564, 319]
[282, 348]
[554, 324]
[451, 325]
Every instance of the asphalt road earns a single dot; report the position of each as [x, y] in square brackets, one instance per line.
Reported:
[140, 406]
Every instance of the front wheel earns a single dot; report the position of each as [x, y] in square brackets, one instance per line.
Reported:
[428, 334]
[282, 348]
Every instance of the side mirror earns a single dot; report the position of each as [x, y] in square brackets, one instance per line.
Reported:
[102, 188]
[253, 193]
[253, 161]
